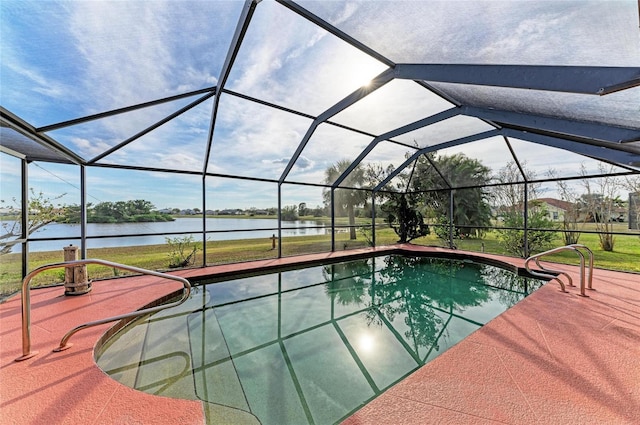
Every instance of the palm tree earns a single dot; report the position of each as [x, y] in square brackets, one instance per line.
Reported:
[346, 199]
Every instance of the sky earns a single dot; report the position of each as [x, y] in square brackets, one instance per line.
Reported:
[69, 59]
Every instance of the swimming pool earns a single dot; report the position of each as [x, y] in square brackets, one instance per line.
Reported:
[309, 345]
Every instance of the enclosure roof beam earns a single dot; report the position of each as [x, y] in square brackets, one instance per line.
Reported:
[394, 133]
[581, 129]
[151, 128]
[293, 6]
[11, 152]
[435, 167]
[515, 159]
[596, 80]
[118, 111]
[357, 95]
[432, 148]
[9, 120]
[241, 29]
[613, 156]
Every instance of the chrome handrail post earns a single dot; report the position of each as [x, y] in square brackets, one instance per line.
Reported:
[590, 283]
[26, 302]
[26, 319]
[582, 293]
[590, 277]
[26, 311]
[545, 275]
[576, 248]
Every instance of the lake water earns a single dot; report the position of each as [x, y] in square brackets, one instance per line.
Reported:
[231, 228]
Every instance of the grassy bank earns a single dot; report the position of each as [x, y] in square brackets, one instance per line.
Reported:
[626, 256]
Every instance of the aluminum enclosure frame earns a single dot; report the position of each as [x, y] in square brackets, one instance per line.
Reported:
[604, 142]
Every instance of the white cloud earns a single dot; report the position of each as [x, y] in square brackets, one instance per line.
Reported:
[286, 60]
[123, 47]
[531, 38]
[90, 148]
[41, 84]
[302, 162]
[138, 51]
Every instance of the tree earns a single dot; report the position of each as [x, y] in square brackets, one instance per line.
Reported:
[632, 184]
[41, 211]
[601, 201]
[404, 218]
[289, 213]
[107, 212]
[71, 214]
[346, 199]
[471, 210]
[509, 195]
[318, 211]
[571, 221]
[509, 199]
[139, 206]
[137, 210]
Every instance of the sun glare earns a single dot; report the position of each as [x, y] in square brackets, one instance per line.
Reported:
[366, 343]
[362, 74]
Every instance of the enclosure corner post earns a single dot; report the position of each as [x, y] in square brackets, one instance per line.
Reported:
[333, 220]
[373, 219]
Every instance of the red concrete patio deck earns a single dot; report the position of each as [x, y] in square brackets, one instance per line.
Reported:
[555, 358]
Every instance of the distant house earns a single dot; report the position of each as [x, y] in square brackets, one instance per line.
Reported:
[231, 212]
[556, 208]
[9, 211]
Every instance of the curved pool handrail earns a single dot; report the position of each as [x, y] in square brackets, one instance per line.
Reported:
[573, 247]
[551, 275]
[578, 247]
[26, 302]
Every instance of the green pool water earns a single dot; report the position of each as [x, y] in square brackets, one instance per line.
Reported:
[311, 345]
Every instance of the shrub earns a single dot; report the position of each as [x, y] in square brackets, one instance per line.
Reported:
[405, 220]
[442, 230]
[182, 250]
[537, 240]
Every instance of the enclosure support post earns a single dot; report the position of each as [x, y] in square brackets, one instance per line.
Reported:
[279, 220]
[451, 219]
[373, 219]
[83, 212]
[24, 217]
[333, 221]
[526, 220]
[204, 220]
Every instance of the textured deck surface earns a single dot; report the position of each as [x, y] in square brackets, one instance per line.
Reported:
[553, 358]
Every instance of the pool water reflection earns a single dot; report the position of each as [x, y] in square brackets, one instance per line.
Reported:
[311, 345]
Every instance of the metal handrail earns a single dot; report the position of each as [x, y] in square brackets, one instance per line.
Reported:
[578, 247]
[574, 247]
[26, 302]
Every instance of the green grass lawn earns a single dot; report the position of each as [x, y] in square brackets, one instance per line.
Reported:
[625, 257]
